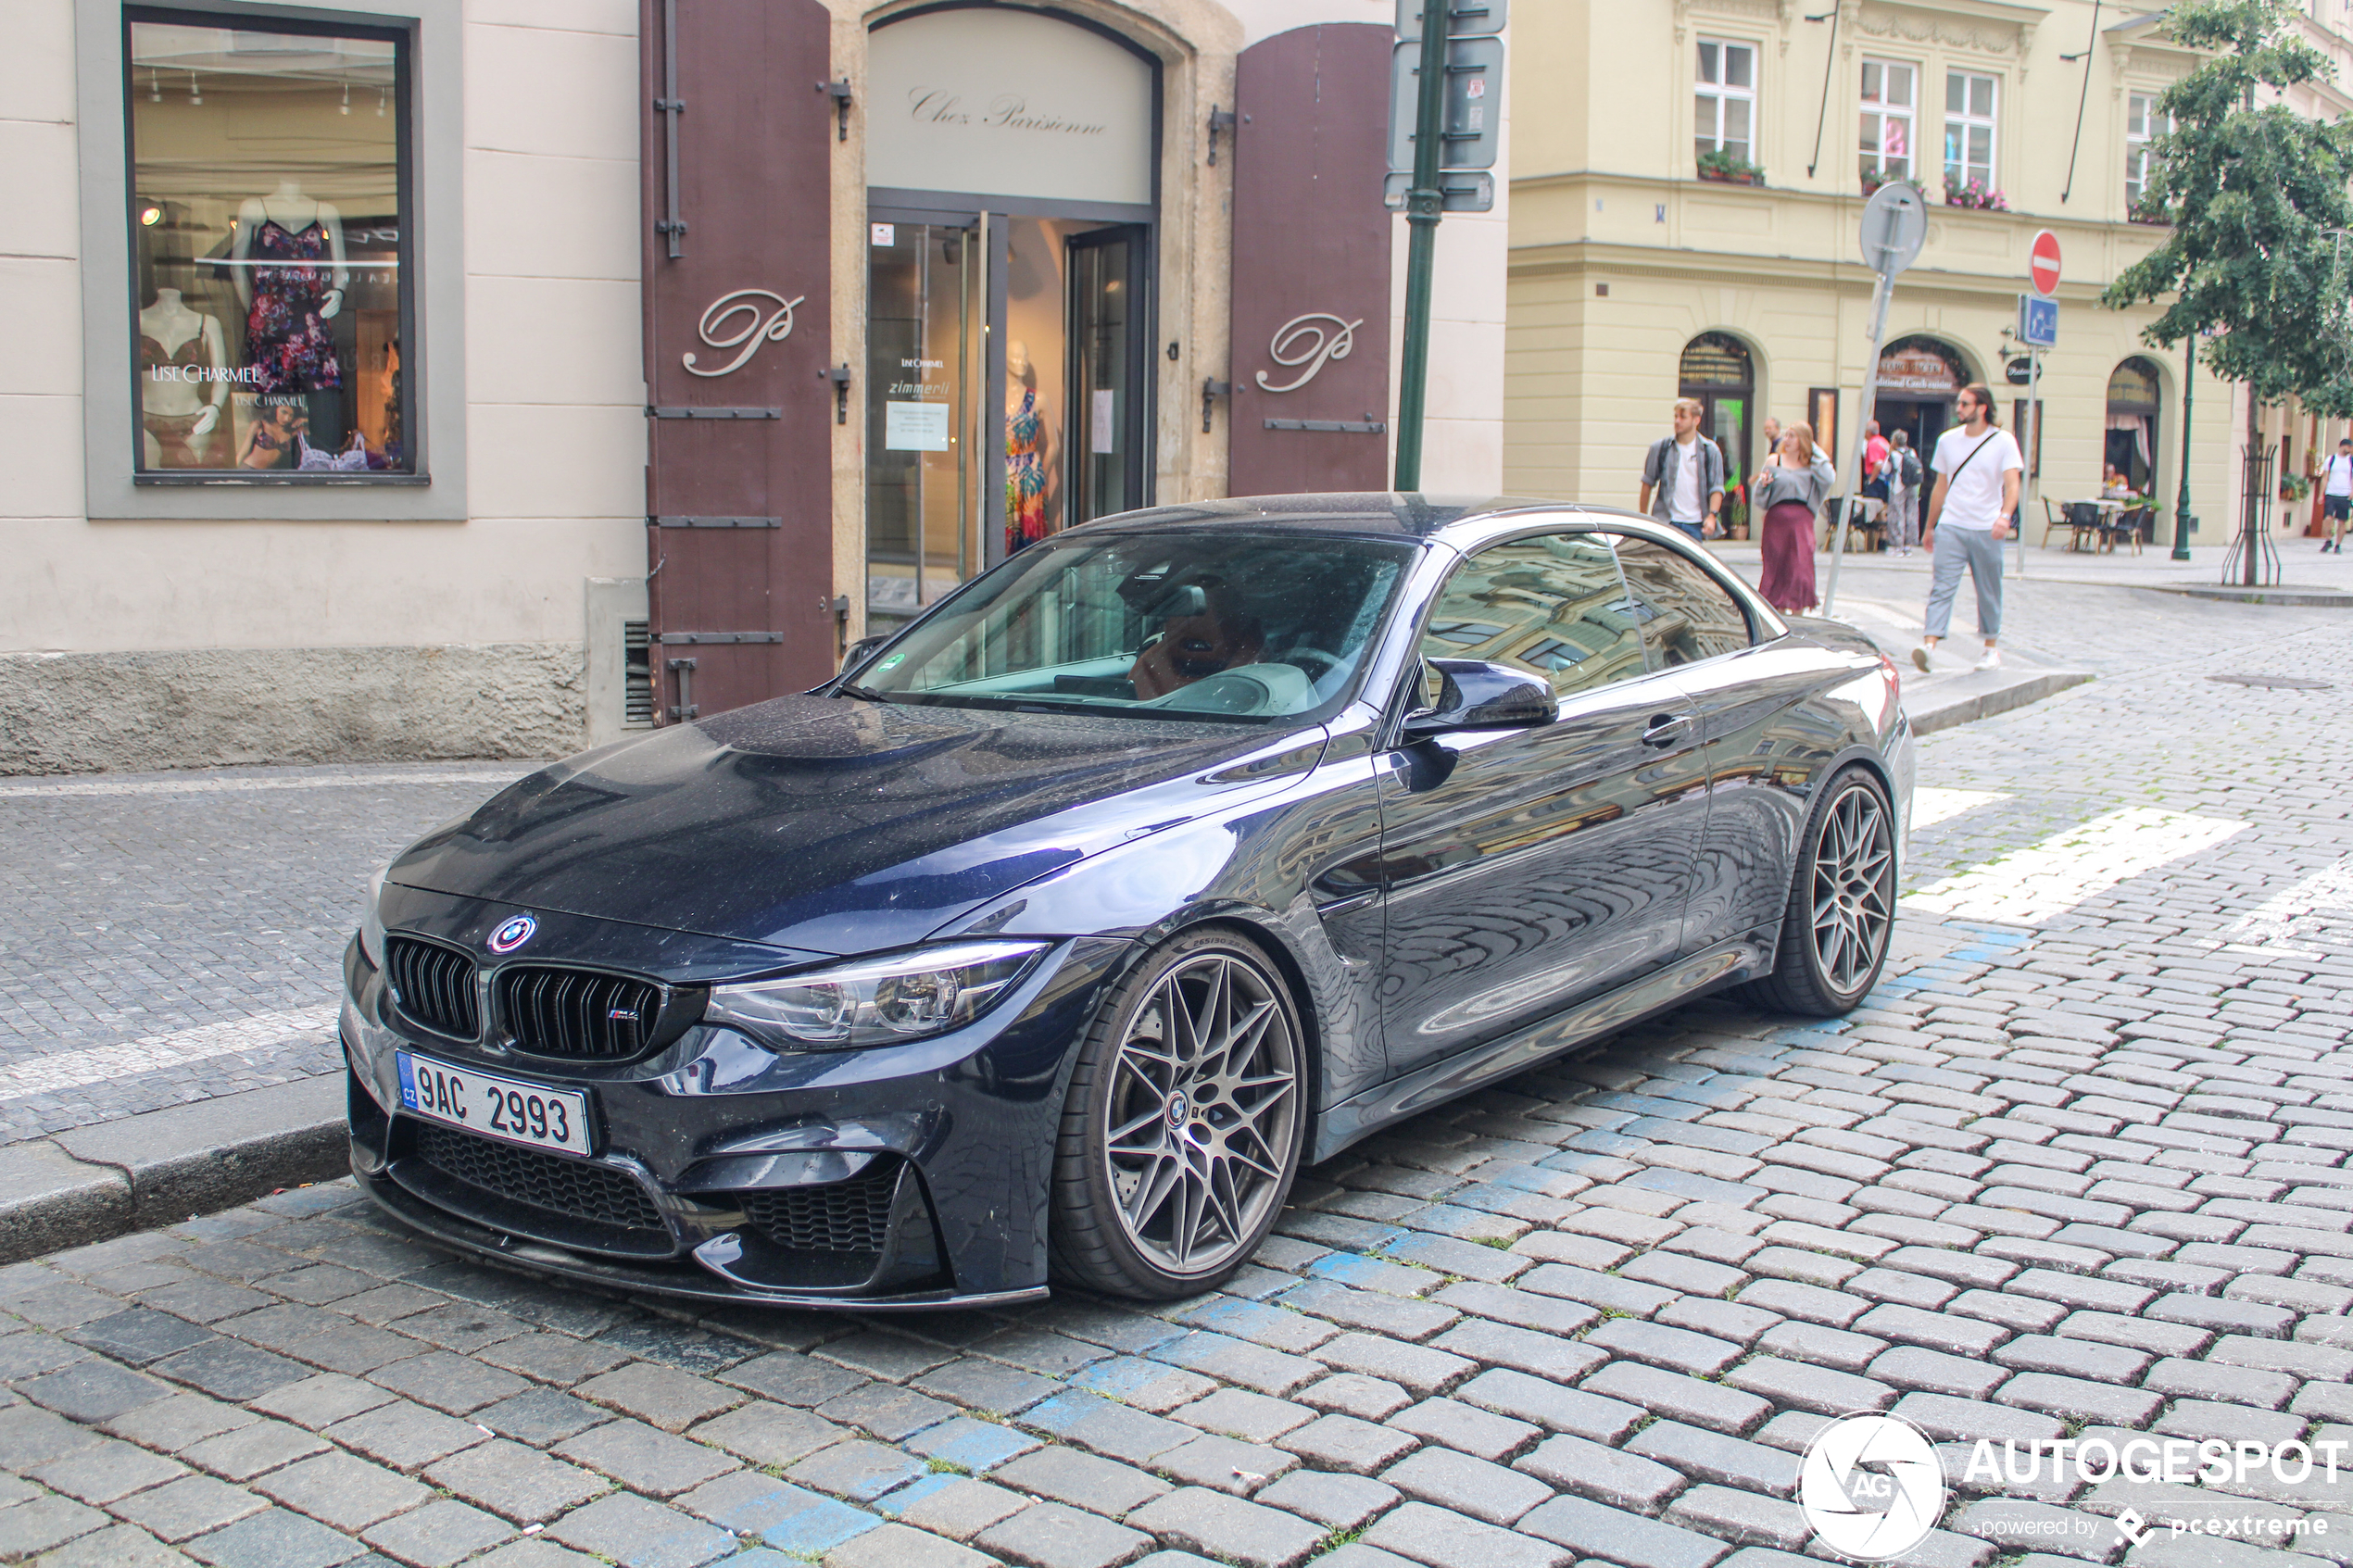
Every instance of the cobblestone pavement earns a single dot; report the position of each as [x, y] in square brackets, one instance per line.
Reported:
[2076, 1170]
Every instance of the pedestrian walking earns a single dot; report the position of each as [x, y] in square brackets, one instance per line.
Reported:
[1978, 468]
[1683, 475]
[1904, 479]
[1771, 430]
[1788, 491]
[2337, 495]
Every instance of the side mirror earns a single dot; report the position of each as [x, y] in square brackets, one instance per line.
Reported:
[1476, 694]
[859, 651]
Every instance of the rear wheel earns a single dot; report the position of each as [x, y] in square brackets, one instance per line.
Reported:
[1841, 903]
[1184, 1126]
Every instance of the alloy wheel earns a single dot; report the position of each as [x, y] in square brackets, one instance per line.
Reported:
[1203, 1102]
[1854, 887]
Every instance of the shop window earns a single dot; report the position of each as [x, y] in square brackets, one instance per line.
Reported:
[270, 276]
[1890, 94]
[2143, 124]
[1970, 102]
[1726, 101]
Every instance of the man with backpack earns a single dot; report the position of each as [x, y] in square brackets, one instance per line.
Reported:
[1904, 480]
[1978, 468]
[1683, 475]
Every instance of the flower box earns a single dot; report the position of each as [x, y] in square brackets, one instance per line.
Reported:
[1721, 177]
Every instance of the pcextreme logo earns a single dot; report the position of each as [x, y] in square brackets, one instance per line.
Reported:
[1871, 1487]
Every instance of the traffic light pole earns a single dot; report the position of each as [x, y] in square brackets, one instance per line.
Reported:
[1425, 203]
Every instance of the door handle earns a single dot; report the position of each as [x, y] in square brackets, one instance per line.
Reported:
[1665, 729]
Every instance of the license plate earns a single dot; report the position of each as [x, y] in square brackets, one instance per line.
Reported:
[498, 1108]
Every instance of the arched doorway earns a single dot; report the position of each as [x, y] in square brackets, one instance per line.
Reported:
[1918, 377]
[1717, 370]
[1012, 264]
[2134, 395]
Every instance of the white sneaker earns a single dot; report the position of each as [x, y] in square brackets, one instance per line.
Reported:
[1921, 659]
[1992, 659]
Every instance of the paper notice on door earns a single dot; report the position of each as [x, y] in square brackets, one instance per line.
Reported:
[1102, 434]
[915, 427]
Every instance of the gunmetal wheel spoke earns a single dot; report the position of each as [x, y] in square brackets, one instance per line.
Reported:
[1201, 1107]
[1853, 871]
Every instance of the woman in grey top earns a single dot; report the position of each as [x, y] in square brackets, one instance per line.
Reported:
[1788, 491]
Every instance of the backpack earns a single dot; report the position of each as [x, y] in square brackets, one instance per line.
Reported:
[1912, 475]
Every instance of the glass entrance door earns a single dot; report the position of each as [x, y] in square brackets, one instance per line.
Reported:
[1109, 359]
[924, 352]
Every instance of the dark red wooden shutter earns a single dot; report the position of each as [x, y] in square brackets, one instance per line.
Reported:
[1311, 258]
[739, 465]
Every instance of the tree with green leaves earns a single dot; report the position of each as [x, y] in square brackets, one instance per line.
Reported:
[2257, 198]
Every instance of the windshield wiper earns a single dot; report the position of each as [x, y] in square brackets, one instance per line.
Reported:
[867, 692]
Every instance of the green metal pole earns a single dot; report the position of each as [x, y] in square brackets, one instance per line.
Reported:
[1425, 203]
[2182, 499]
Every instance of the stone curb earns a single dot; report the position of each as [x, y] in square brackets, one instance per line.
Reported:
[92, 1183]
[1973, 697]
[2310, 599]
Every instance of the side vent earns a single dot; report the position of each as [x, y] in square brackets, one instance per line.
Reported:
[638, 674]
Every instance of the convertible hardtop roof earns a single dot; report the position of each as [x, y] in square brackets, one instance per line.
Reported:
[1375, 513]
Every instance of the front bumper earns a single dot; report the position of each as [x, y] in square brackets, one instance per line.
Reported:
[909, 1176]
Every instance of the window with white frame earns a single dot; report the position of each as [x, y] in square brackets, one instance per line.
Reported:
[2143, 124]
[1970, 102]
[1726, 99]
[1891, 92]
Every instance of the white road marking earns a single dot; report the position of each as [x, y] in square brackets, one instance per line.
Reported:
[1932, 805]
[71, 1070]
[2323, 900]
[207, 786]
[2032, 884]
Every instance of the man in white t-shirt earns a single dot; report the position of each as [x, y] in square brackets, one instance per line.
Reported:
[1978, 468]
[2337, 495]
[1683, 475]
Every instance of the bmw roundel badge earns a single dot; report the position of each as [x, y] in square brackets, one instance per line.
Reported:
[513, 933]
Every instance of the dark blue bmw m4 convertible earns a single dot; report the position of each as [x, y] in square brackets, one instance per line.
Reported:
[1049, 941]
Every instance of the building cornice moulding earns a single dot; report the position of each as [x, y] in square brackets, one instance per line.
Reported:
[1994, 28]
[1778, 13]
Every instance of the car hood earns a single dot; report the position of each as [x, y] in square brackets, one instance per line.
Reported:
[838, 825]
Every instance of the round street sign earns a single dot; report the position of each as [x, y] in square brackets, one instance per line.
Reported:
[1894, 227]
[2044, 269]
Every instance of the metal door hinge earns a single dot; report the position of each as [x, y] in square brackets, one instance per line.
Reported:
[1353, 427]
[691, 638]
[668, 412]
[840, 94]
[716, 522]
[1211, 390]
[684, 708]
[1220, 119]
[839, 376]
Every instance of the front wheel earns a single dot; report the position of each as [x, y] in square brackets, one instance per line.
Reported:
[1841, 903]
[1184, 1124]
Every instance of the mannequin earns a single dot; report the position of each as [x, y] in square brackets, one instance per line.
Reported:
[1026, 436]
[183, 381]
[291, 283]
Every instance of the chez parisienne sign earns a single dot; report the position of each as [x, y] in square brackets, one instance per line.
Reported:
[758, 325]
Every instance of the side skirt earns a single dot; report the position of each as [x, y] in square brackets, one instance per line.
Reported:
[1728, 963]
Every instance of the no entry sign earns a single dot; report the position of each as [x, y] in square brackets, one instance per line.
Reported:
[2043, 268]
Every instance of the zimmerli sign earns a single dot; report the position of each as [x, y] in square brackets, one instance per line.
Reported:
[742, 320]
[1314, 340]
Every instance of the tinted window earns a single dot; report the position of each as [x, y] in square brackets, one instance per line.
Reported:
[1686, 614]
[1553, 606]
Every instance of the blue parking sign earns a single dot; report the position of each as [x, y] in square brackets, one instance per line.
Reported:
[2037, 320]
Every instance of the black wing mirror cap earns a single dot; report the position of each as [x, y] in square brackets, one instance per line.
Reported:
[1475, 694]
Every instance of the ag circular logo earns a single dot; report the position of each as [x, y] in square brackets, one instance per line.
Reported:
[1871, 1487]
[513, 933]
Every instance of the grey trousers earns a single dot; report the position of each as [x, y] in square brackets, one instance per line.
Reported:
[1904, 517]
[1977, 549]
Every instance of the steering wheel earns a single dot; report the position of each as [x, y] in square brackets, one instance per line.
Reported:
[1313, 664]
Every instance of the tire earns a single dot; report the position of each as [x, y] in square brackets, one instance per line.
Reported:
[1184, 1126]
[1841, 903]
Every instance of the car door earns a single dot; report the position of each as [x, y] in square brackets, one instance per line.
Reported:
[1528, 870]
[1745, 685]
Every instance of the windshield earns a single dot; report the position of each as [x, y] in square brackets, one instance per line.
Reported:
[1211, 626]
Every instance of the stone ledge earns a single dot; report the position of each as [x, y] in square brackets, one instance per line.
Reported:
[94, 1182]
[1980, 696]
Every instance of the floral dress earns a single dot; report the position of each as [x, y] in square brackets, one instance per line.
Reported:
[1025, 473]
[287, 343]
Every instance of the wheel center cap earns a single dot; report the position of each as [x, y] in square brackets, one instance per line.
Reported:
[1179, 1108]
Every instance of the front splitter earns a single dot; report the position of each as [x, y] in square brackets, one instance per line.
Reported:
[539, 1258]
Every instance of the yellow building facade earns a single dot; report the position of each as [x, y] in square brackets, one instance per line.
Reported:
[1688, 180]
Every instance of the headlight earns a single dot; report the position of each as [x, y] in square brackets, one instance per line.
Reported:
[371, 920]
[875, 1001]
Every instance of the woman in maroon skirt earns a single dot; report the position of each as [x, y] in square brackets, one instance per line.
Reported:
[1788, 491]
